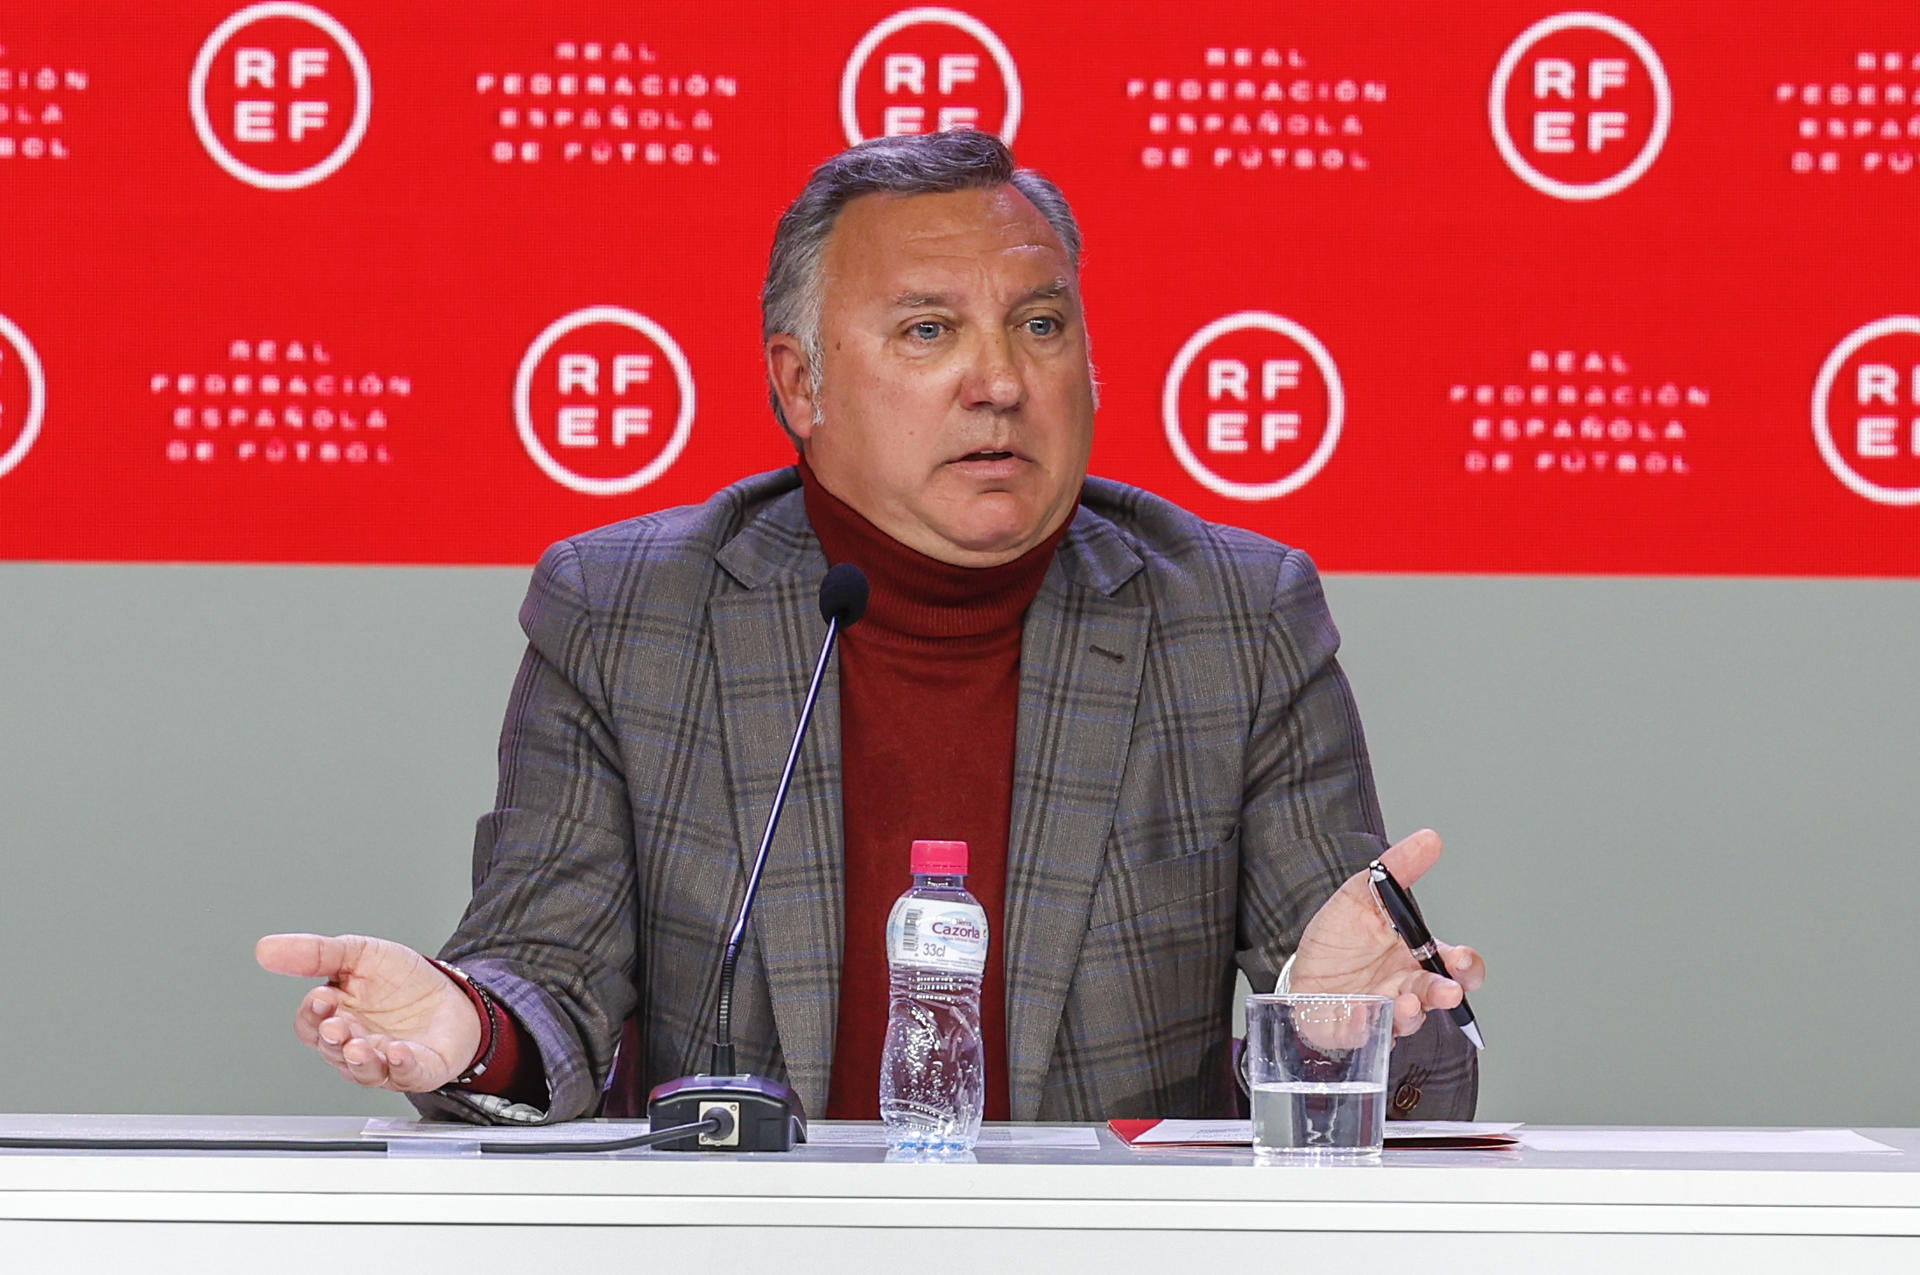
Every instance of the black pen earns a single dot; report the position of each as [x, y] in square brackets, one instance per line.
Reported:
[1403, 914]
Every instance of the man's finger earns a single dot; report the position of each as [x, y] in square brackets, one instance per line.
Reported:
[364, 1061]
[1413, 856]
[408, 1065]
[315, 1008]
[309, 955]
[332, 1036]
[1465, 965]
[1424, 989]
[1436, 992]
[1408, 1015]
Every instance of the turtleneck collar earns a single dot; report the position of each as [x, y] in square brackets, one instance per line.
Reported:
[918, 596]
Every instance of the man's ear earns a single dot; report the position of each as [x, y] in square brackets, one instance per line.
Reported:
[791, 377]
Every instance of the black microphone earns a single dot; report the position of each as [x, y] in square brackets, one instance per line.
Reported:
[843, 597]
[766, 1115]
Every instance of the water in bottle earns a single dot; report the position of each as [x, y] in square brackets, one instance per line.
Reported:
[933, 1076]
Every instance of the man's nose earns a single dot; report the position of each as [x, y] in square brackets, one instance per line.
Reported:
[994, 378]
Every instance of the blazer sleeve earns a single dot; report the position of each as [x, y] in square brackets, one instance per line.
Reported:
[1310, 819]
[550, 929]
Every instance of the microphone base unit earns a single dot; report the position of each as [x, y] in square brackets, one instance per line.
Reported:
[767, 1115]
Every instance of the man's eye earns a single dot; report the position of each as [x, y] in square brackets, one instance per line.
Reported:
[925, 330]
[1043, 325]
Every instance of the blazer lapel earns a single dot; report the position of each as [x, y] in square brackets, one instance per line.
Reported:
[766, 639]
[1081, 655]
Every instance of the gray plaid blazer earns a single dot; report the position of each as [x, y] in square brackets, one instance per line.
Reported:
[1190, 784]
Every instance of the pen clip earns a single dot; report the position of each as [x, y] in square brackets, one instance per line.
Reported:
[1397, 902]
[1377, 875]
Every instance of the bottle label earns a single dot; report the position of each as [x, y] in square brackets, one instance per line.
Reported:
[939, 934]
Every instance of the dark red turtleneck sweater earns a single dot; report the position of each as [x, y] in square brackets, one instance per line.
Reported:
[929, 700]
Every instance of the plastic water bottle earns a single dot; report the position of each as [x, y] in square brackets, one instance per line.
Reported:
[933, 1074]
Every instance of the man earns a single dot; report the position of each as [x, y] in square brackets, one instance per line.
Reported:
[1135, 718]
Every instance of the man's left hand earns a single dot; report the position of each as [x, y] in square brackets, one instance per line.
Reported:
[1349, 947]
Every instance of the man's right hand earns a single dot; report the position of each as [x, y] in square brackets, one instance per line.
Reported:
[386, 1017]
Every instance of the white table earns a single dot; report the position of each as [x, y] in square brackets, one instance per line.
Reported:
[842, 1209]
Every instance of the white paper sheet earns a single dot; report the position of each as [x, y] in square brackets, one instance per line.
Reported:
[1039, 1136]
[384, 1129]
[173, 1128]
[1415, 1130]
[873, 1135]
[1706, 1141]
[1224, 1133]
[1239, 1133]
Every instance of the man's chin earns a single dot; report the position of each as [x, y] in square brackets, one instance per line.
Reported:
[990, 543]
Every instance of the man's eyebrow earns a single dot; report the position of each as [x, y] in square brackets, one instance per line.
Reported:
[1052, 290]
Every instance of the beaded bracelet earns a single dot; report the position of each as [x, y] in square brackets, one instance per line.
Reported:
[490, 1028]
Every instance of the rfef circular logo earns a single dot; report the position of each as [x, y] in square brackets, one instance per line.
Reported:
[23, 395]
[1580, 106]
[927, 71]
[1253, 406]
[604, 400]
[281, 95]
[1866, 410]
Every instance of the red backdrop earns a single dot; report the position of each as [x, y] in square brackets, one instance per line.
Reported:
[1417, 286]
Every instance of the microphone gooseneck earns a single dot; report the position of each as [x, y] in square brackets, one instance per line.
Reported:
[843, 600]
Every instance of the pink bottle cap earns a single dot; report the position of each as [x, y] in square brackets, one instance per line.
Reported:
[939, 858]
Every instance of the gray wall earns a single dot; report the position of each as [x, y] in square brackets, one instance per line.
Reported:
[1679, 815]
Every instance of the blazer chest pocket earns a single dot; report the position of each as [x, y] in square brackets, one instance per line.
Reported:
[1126, 892]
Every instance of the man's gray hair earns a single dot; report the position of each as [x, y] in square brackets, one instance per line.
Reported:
[921, 164]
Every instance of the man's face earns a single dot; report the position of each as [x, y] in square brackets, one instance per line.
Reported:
[956, 401]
